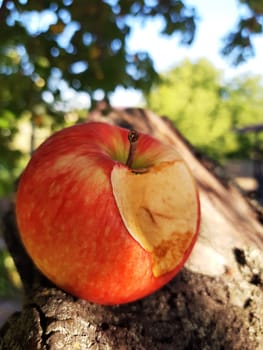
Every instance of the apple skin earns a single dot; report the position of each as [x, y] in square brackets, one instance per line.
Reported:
[69, 221]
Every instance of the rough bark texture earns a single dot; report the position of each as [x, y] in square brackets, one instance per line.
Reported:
[215, 302]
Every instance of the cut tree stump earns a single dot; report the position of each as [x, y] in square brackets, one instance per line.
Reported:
[215, 302]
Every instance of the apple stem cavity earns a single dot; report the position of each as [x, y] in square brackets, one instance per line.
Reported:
[133, 136]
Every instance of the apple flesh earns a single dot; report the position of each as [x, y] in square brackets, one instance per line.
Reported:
[100, 229]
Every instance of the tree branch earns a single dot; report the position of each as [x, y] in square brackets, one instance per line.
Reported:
[204, 306]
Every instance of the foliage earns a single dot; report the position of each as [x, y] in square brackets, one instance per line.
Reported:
[207, 109]
[10, 283]
[239, 43]
[84, 43]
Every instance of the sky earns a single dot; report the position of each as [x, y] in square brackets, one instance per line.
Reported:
[216, 19]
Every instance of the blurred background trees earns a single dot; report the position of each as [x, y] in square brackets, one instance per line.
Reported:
[50, 48]
[207, 107]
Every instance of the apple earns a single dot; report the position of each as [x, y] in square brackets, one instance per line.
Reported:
[107, 214]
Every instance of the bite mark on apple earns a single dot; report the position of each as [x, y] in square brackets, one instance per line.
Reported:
[159, 209]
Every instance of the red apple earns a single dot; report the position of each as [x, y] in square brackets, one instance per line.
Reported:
[104, 228]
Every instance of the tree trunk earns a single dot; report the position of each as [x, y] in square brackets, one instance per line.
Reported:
[215, 302]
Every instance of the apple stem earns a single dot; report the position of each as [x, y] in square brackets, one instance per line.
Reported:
[133, 138]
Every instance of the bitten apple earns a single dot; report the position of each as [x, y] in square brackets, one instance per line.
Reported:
[107, 214]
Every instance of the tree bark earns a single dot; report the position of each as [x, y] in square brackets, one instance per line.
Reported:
[215, 302]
